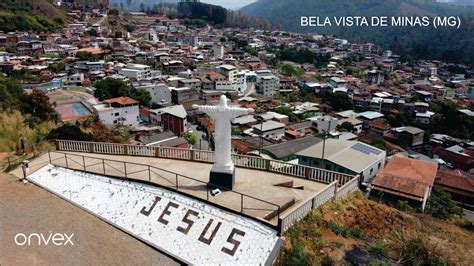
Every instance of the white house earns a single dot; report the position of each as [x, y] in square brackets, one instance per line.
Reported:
[136, 71]
[267, 83]
[121, 110]
[160, 93]
[76, 79]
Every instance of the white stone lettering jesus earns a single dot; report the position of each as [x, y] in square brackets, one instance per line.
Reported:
[223, 114]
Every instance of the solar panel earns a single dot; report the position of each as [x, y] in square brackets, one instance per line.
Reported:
[366, 149]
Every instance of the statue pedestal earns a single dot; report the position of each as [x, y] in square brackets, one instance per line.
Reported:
[222, 178]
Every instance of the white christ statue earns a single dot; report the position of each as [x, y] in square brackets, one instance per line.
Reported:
[223, 114]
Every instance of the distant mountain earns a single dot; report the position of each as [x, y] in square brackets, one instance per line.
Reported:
[448, 43]
[134, 5]
[458, 2]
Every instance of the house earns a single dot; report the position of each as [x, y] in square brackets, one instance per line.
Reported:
[267, 83]
[407, 179]
[171, 118]
[76, 79]
[459, 184]
[368, 116]
[347, 157]
[456, 156]
[121, 110]
[269, 129]
[406, 137]
[136, 71]
[324, 123]
[286, 151]
[356, 123]
[164, 139]
[160, 93]
[378, 127]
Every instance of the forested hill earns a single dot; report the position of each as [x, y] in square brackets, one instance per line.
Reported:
[30, 15]
[447, 44]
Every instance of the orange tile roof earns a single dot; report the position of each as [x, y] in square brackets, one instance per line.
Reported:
[456, 181]
[406, 177]
[122, 100]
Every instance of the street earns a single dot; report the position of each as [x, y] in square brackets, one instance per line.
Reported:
[201, 144]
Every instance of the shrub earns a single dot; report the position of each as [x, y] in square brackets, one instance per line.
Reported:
[297, 255]
[441, 206]
[379, 249]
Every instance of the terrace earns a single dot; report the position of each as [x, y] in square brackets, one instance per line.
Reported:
[273, 192]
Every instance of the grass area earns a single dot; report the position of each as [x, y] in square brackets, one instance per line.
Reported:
[354, 230]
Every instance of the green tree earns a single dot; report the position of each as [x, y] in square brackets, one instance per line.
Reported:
[440, 205]
[339, 101]
[87, 56]
[290, 70]
[110, 88]
[38, 105]
[189, 137]
[347, 126]
[11, 93]
[69, 132]
[141, 95]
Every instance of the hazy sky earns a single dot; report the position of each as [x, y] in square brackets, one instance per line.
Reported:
[232, 4]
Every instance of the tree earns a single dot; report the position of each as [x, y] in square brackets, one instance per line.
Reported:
[286, 111]
[11, 93]
[339, 101]
[38, 105]
[69, 132]
[441, 206]
[189, 137]
[110, 88]
[347, 126]
[87, 56]
[141, 95]
[290, 70]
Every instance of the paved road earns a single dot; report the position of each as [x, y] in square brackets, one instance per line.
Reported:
[201, 144]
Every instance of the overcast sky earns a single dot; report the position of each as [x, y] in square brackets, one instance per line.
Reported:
[232, 4]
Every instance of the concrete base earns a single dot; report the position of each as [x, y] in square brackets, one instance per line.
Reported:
[222, 180]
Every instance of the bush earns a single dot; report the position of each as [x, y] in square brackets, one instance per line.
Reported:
[416, 250]
[379, 249]
[297, 255]
[69, 132]
[327, 261]
[441, 206]
[338, 229]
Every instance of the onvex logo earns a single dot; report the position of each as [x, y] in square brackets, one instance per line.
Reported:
[57, 239]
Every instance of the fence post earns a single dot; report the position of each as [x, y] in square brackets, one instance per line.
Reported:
[103, 165]
[193, 155]
[49, 156]
[125, 168]
[267, 165]
[125, 149]
[242, 203]
[157, 152]
[335, 191]
[65, 158]
[177, 182]
[149, 174]
[84, 162]
[91, 147]
[56, 143]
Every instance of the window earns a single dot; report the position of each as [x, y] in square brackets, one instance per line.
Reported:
[304, 159]
[380, 164]
[116, 114]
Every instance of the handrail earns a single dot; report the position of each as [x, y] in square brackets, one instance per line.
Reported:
[149, 168]
[244, 161]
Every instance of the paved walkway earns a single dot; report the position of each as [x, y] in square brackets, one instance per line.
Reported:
[258, 184]
[30, 209]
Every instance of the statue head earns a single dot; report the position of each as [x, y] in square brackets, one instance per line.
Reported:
[223, 101]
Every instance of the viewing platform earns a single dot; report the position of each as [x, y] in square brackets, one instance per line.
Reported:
[274, 192]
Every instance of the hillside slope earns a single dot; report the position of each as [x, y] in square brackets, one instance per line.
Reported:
[30, 15]
[448, 43]
[363, 232]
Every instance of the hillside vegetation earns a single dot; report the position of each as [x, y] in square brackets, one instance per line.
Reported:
[448, 44]
[30, 15]
[358, 231]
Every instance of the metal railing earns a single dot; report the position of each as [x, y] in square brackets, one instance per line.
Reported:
[171, 180]
[243, 161]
